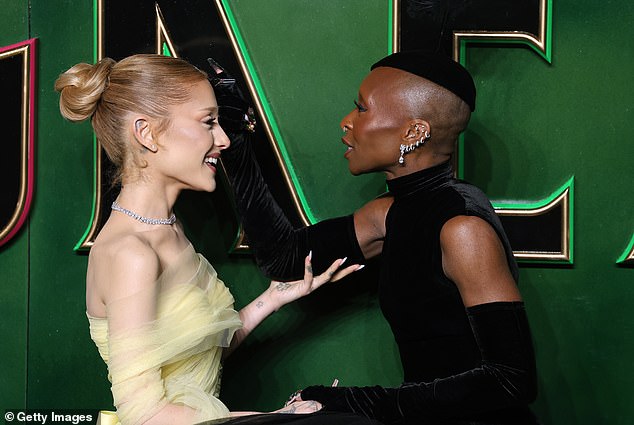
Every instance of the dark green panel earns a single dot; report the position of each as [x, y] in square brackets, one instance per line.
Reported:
[14, 16]
[14, 260]
[311, 57]
[536, 125]
[63, 364]
[13, 327]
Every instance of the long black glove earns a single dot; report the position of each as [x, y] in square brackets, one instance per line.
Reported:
[278, 247]
[505, 379]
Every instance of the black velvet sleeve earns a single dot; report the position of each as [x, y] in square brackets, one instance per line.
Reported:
[279, 248]
[505, 378]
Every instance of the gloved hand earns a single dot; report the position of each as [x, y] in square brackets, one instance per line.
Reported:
[235, 113]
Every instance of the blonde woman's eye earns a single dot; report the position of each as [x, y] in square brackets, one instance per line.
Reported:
[210, 122]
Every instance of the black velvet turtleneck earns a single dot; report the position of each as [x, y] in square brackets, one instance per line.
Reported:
[421, 304]
[472, 364]
[427, 179]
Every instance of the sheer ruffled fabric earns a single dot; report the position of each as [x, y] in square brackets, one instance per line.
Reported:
[174, 358]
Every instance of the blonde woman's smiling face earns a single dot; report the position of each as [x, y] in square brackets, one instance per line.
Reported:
[193, 142]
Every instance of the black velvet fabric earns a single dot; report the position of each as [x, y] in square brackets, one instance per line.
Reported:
[463, 365]
[422, 306]
[318, 418]
[496, 391]
[279, 248]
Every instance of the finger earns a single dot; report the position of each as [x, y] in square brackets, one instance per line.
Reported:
[308, 268]
[328, 274]
[340, 274]
[306, 407]
[294, 397]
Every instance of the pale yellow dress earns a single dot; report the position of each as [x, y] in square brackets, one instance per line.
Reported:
[176, 357]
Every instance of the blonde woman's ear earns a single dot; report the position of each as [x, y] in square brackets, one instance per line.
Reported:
[143, 134]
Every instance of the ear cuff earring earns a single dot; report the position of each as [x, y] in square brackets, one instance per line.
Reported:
[408, 148]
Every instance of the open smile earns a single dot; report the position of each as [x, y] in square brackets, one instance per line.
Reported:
[211, 162]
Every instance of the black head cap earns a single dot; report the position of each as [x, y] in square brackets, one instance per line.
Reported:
[437, 68]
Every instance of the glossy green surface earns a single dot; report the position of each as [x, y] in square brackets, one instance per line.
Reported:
[14, 261]
[536, 125]
[62, 361]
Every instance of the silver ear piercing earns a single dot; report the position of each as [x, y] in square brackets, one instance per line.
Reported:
[408, 148]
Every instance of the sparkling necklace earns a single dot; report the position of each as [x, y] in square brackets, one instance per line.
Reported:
[142, 219]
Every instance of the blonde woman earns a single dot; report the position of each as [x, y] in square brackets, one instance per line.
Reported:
[161, 318]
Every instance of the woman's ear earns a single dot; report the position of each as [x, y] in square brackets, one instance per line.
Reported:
[143, 134]
[416, 130]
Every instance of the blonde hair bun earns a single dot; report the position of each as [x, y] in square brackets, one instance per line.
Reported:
[81, 88]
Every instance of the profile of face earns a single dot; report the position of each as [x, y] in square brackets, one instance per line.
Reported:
[190, 147]
[374, 129]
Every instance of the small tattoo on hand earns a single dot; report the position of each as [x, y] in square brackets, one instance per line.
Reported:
[259, 304]
[282, 286]
[291, 409]
[309, 269]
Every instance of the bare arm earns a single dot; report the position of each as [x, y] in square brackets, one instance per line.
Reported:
[473, 258]
[131, 302]
[281, 293]
[369, 225]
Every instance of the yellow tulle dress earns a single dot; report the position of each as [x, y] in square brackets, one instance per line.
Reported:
[176, 357]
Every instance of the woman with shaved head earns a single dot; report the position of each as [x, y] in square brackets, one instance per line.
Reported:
[447, 283]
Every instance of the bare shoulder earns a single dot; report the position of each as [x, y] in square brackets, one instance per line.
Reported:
[123, 266]
[474, 258]
[369, 224]
[470, 230]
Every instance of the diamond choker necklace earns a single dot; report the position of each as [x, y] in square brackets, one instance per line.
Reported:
[142, 219]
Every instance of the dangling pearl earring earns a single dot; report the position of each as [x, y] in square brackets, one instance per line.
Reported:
[408, 148]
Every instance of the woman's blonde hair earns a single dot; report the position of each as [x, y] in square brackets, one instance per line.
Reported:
[108, 91]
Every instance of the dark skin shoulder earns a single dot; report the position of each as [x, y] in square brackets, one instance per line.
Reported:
[473, 257]
[369, 225]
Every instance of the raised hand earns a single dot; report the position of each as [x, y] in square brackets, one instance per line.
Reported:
[236, 114]
[285, 292]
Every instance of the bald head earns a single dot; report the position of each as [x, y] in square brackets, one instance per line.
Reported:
[420, 99]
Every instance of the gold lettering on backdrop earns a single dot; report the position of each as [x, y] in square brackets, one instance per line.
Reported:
[26, 138]
[94, 224]
[164, 45]
[541, 42]
[561, 200]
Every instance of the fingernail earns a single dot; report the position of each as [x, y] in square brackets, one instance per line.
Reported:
[310, 255]
[344, 260]
[360, 267]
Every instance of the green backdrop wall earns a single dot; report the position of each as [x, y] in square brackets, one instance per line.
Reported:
[537, 124]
